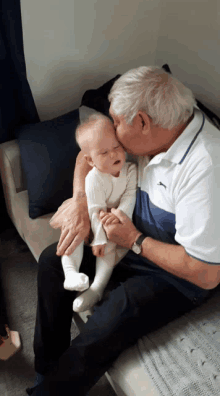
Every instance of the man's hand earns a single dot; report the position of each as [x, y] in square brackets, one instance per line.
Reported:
[75, 227]
[124, 233]
[98, 250]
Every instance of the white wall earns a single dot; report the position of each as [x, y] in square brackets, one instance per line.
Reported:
[189, 41]
[74, 45]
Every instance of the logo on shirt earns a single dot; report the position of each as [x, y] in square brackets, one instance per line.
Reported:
[161, 184]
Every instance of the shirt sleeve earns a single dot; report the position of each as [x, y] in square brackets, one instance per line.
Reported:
[127, 201]
[96, 199]
[198, 216]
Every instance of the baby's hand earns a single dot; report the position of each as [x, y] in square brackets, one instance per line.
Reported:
[110, 218]
[98, 250]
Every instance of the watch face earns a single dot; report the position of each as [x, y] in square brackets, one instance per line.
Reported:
[136, 249]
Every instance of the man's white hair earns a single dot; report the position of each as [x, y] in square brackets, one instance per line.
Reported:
[87, 122]
[152, 90]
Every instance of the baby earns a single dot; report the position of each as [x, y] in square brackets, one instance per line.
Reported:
[110, 184]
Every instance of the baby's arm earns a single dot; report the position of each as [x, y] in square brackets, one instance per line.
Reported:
[128, 198]
[96, 199]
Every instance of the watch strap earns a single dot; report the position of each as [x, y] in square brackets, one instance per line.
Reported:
[140, 239]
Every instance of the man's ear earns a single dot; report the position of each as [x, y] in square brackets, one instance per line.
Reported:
[89, 160]
[144, 119]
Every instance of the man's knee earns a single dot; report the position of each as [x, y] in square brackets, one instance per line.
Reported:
[117, 306]
[48, 258]
[49, 251]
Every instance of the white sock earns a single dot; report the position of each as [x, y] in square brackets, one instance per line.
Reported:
[104, 268]
[73, 279]
[76, 281]
[87, 299]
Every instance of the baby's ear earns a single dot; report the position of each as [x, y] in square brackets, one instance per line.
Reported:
[89, 160]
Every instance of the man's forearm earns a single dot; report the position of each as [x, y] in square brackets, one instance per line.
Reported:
[82, 168]
[174, 259]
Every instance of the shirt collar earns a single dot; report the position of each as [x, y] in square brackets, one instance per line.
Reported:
[180, 148]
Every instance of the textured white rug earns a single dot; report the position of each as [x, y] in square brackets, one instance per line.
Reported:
[183, 358]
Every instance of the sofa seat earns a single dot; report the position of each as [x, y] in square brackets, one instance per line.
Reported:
[36, 233]
[128, 376]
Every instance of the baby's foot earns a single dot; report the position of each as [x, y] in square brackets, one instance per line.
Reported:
[76, 281]
[86, 300]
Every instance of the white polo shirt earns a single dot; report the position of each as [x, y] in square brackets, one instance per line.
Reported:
[178, 197]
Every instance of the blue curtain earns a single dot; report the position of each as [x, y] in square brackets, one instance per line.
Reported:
[17, 106]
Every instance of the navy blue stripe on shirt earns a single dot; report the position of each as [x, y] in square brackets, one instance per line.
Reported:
[160, 225]
[153, 221]
[195, 137]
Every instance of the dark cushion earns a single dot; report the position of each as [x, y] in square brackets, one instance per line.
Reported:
[48, 152]
[97, 99]
[212, 116]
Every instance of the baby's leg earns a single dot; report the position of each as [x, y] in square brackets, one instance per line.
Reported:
[73, 279]
[104, 268]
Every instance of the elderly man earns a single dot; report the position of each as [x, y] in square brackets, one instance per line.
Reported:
[173, 261]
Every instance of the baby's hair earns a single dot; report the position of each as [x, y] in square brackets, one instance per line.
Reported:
[82, 127]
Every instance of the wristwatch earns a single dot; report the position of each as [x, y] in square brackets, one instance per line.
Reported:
[136, 247]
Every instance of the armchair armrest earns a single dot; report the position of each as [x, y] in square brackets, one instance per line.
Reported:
[12, 176]
[11, 159]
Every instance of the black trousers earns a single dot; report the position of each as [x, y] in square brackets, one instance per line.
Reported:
[138, 303]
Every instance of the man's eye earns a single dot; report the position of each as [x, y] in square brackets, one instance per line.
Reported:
[104, 153]
[117, 146]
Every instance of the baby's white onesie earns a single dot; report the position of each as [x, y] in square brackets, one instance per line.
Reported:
[103, 191]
